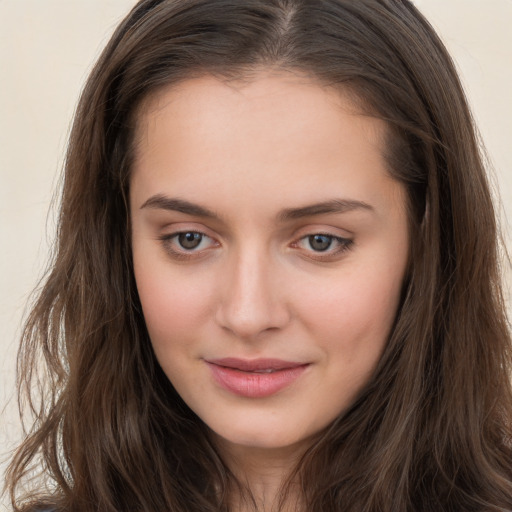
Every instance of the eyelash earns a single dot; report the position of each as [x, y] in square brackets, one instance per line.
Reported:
[183, 253]
[343, 245]
[170, 242]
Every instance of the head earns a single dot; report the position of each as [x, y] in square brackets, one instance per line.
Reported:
[378, 61]
[267, 236]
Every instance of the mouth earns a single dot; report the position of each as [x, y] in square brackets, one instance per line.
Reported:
[255, 365]
[257, 378]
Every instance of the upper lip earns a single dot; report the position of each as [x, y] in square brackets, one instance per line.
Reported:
[252, 365]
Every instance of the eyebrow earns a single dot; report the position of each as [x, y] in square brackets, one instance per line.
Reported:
[161, 202]
[323, 208]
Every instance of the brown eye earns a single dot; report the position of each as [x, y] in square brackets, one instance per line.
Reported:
[190, 240]
[320, 243]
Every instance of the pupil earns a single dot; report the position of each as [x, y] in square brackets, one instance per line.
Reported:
[320, 242]
[189, 240]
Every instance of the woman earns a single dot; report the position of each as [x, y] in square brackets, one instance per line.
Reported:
[276, 284]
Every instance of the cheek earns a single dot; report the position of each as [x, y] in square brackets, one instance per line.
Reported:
[354, 314]
[175, 306]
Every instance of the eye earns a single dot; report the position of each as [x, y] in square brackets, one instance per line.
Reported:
[320, 242]
[187, 243]
[322, 245]
[189, 240]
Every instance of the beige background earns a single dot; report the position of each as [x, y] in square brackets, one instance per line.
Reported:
[47, 48]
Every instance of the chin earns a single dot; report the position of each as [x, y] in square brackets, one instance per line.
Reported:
[266, 437]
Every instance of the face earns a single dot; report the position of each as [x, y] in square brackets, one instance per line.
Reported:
[269, 245]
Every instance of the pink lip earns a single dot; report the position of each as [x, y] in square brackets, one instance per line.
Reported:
[256, 378]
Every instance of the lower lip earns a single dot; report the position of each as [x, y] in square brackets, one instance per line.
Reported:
[255, 385]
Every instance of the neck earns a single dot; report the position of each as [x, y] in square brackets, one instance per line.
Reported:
[263, 472]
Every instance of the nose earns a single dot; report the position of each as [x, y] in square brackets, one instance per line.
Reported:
[252, 298]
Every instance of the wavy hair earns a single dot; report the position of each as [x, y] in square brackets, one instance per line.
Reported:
[431, 430]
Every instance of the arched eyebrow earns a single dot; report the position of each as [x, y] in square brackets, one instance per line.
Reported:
[162, 202]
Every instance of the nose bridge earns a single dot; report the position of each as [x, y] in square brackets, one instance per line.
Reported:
[252, 301]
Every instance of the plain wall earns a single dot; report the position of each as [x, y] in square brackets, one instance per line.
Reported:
[47, 48]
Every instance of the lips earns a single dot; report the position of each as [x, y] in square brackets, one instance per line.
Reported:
[257, 378]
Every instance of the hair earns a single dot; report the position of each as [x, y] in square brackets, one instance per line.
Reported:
[431, 431]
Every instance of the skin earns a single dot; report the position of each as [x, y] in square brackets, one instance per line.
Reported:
[256, 287]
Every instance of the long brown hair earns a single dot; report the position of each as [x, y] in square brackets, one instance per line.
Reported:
[432, 429]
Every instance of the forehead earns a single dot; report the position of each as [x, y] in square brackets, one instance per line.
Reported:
[241, 138]
[267, 91]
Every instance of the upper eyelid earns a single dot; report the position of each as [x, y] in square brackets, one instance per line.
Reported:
[169, 231]
[323, 229]
[305, 228]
